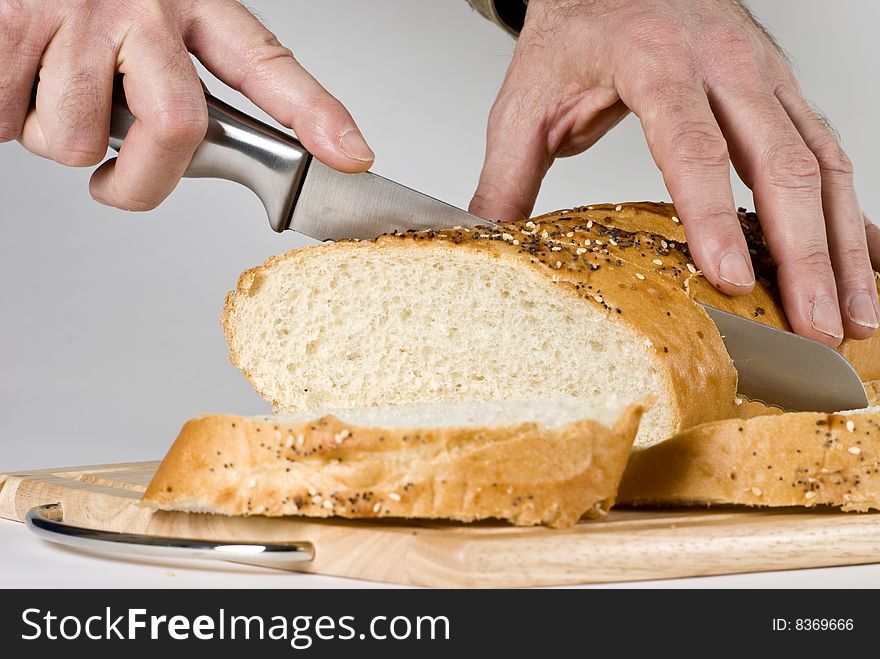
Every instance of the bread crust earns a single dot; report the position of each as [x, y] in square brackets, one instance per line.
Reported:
[524, 473]
[793, 459]
[615, 274]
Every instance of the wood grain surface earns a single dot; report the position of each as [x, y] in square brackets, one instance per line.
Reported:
[628, 545]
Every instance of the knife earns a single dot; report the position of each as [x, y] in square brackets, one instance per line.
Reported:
[786, 370]
[298, 191]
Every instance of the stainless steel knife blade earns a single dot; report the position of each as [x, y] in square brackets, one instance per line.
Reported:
[332, 205]
[786, 370]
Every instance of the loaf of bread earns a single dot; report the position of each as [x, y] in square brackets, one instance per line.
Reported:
[528, 461]
[543, 308]
[793, 459]
[597, 300]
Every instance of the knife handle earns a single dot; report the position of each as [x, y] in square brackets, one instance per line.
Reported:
[237, 148]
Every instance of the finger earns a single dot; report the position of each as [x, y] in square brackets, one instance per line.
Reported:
[240, 51]
[71, 119]
[773, 160]
[524, 136]
[20, 49]
[166, 98]
[691, 152]
[844, 222]
[516, 161]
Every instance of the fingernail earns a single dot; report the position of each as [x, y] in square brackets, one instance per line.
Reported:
[861, 310]
[825, 318]
[734, 270]
[354, 146]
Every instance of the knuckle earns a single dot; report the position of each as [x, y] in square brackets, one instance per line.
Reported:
[655, 35]
[811, 258]
[730, 43]
[854, 255]
[790, 165]
[716, 215]
[73, 156]
[181, 123]
[699, 144]
[262, 58]
[834, 160]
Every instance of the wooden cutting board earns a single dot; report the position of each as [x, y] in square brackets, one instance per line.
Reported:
[628, 545]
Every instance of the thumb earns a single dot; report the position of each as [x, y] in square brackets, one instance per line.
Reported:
[516, 161]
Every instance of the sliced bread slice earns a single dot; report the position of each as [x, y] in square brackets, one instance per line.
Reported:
[792, 459]
[527, 461]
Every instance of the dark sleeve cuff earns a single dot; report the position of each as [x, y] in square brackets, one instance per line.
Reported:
[512, 13]
[509, 14]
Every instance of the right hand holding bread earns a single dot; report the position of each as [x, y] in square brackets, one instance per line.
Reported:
[69, 52]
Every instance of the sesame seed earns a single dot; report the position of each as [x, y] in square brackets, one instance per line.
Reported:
[312, 491]
[589, 224]
[289, 441]
[738, 401]
[558, 264]
[692, 268]
[657, 262]
[757, 491]
[516, 242]
[598, 298]
[618, 208]
[530, 224]
[328, 504]
[855, 450]
[664, 244]
[252, 482]
[810, 495]
[851, 425]
[569, 234]
[675, 219]
[300, 439]
[394, 496]
[341, 435]
[555, 249]
[581, 250]
[376, 507]
[599, 242]
[544, 234]
[611, 241]
[509, 490]
[506, 236]
[317, 499]
[639, 275]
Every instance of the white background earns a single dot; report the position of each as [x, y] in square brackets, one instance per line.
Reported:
[109, 333]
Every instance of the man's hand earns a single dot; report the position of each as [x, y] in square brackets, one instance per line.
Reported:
[73, 48]
[710, 87]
